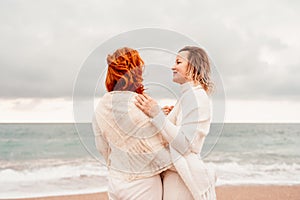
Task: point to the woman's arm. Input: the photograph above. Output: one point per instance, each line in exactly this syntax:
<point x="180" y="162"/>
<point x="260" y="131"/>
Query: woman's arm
<point x="101" y="144"/>
<point x="182" y="136"/>
<point x="195" y="115"/>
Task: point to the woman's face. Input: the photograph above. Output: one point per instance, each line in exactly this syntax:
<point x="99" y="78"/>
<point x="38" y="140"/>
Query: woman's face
<point x="180" y="68"/>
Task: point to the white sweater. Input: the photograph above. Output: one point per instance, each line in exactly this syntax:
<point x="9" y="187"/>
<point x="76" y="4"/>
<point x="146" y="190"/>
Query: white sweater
<point x="131" y="146"/>
<point x="185" y="128"/>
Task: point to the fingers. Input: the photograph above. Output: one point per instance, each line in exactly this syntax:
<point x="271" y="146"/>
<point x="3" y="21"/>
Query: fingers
<point x="139" y="105"/>
<point x="167" y="109"/>
<point x="139" y="99"/>
<point x="143" y="99"/>
<point x="148" y="105"/>
<point x="146" y="96"/>
<point x="141" y="102"/>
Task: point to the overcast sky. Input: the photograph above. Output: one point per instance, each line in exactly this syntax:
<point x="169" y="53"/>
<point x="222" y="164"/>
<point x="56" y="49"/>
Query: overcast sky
<point x="255" y="45"/>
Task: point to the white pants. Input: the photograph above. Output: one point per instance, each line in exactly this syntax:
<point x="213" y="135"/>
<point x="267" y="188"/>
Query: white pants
<point x="174" y="188"/>
<point x="142" y="189"/>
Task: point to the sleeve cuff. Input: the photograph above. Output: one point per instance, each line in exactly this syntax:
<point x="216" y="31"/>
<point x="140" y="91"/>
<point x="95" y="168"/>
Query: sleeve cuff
<point x="164" y="126"/>
<point x="159" y="120"/>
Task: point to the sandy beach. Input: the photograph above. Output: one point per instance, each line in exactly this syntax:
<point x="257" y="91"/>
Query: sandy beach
<point x="253" y="192"/>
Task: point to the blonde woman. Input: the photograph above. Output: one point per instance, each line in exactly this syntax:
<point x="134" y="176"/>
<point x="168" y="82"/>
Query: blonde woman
<point x="186" y="127"/>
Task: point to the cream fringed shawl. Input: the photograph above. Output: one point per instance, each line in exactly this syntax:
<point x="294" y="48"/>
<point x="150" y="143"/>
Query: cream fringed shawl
<point x="130" y="145"/>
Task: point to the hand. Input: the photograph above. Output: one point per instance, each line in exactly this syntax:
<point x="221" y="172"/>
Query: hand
<point x="148" y="105"/>
<point x="167" y="109"/>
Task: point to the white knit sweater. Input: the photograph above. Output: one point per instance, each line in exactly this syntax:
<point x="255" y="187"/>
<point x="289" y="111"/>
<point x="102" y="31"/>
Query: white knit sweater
<point x="134" y="146"/>
<point x="185" y="128"/>
<point x="131" y="146"/>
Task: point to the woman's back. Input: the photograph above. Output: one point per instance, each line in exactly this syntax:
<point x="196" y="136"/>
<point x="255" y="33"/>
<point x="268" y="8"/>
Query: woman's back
<point x="137" y="149"/>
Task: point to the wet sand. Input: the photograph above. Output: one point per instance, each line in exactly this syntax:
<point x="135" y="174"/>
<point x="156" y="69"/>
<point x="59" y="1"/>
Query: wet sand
<point x="247" y="192"/>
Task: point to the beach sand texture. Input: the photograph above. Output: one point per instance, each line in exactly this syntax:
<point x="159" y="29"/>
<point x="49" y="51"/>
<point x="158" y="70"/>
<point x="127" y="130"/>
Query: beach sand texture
<point x="253" y="192"/>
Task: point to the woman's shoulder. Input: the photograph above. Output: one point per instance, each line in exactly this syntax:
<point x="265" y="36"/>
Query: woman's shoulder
<point x="195" y="96"/>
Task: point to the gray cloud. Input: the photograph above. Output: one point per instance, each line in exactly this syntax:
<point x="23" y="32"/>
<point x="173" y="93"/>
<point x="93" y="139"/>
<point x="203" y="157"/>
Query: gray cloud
<point x="44" y="43"/>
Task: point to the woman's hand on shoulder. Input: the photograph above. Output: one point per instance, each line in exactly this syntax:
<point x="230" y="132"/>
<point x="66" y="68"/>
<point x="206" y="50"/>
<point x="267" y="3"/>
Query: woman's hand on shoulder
<point x="147" y="104"/>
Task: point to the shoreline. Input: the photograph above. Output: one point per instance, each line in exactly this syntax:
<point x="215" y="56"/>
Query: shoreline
<point x="224" y="192"/>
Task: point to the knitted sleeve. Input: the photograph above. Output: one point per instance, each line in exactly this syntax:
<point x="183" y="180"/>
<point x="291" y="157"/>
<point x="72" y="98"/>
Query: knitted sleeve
<point x="195" y="115"/>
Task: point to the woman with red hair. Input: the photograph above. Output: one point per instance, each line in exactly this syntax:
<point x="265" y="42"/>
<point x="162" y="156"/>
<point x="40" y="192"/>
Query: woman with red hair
<point x="124" y="73"/>
<point x="134" y="152"/>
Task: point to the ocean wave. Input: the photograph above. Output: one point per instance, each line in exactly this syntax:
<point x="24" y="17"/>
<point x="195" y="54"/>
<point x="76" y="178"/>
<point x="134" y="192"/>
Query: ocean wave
<point x="51" y="177"/>
<point x="233" y="173"/>
<point x="227" y="173"/>
<point x="50" y="170"/>
<point x="57" y="177"/>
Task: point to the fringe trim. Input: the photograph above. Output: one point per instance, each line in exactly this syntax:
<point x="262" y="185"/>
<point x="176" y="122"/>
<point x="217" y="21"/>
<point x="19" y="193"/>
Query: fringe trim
<point x="210" y="194"/>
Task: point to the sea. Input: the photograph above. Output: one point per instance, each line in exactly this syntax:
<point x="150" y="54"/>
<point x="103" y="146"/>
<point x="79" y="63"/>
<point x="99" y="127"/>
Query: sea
<point x="39" y="159"/>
